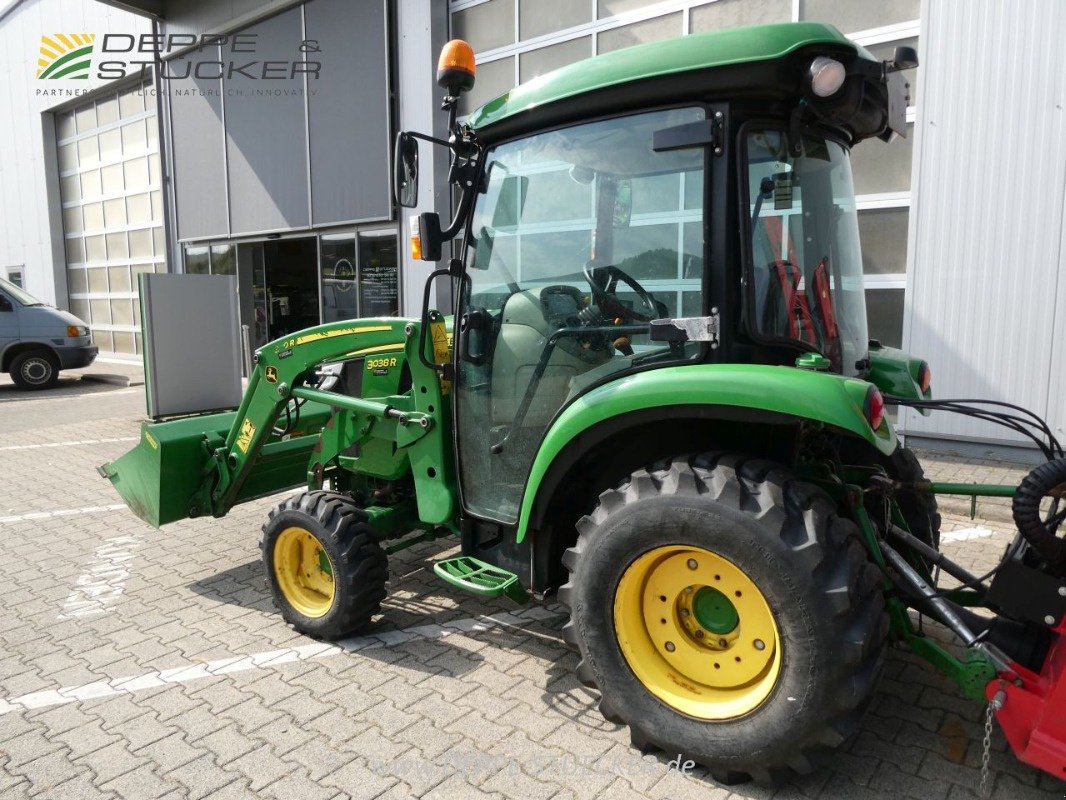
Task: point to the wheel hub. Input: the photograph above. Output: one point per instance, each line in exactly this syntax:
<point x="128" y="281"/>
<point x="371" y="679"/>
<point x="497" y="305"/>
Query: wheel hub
<point x="304" y="572"/>
<point x="35" y="370"/>
<point x="697" y="632"/>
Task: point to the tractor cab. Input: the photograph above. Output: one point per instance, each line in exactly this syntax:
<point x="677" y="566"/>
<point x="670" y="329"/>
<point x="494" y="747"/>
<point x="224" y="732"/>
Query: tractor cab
<point x="677" y="203"/>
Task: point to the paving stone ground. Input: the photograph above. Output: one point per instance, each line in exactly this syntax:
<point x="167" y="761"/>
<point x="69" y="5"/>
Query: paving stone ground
<point x="188" y="685"/>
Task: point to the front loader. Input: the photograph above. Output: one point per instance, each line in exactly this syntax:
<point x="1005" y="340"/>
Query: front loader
<point x="656" y="399"/>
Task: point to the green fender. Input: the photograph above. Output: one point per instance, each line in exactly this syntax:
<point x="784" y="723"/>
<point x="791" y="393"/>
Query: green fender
<point x="818" y="396"/>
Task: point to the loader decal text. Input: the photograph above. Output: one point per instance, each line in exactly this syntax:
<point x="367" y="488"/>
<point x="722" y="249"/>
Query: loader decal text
<point x="244" y="438"/>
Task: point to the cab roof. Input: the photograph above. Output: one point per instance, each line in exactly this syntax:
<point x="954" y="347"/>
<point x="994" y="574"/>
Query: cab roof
<point x="696" y="52"/>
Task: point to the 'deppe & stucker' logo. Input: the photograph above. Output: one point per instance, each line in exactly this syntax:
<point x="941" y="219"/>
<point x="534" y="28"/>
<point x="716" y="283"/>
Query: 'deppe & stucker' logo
<point x="65" y="55"/>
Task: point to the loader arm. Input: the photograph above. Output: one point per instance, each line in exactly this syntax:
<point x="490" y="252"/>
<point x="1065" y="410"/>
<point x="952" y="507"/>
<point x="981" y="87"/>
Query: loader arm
<point x="219" y="462"/>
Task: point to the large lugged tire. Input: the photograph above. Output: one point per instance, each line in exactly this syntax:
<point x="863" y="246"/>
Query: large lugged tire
<point x="726" y="614"/>
<point x="35" y="369"/>
<point x="324" y="566"/>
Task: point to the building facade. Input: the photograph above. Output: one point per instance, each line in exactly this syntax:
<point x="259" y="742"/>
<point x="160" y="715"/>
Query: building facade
<point x="280" y="175"/>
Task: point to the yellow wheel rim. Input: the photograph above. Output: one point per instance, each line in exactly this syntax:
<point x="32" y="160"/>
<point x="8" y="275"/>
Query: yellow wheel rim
<point x="304" y="572"/>
<point x="697" y="632"/>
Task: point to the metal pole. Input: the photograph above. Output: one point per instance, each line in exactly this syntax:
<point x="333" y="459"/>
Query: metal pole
<point x="246" y="341"/>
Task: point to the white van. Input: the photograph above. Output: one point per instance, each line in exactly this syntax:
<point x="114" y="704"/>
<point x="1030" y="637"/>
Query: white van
<point x="38" y="340"/>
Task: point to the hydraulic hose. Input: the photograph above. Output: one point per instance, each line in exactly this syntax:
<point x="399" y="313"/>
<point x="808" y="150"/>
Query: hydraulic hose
<point x="1047" y="480"/>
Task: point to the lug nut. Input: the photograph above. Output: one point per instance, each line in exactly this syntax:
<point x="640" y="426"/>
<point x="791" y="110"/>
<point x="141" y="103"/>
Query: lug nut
<point x="692" y="563"/>
<point x="699" y="634"/>
<point x="670" y="647"/>
<point x="723" y="643"/>
<point x="1062" y="591"/>
<point x="684" y="612"/>
<point x="760" y="644"/>
<point x="1050" y="620"/>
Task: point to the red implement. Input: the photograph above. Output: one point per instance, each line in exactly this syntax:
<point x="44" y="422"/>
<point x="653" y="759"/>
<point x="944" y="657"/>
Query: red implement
<point x="1033" y="715"/>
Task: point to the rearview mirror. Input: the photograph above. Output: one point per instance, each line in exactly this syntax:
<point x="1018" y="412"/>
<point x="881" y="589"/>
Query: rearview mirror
<point x="512" y="200"/>
<point x="405" y="170"/>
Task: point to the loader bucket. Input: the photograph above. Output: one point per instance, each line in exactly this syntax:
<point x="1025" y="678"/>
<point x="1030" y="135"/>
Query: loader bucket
<point x="162" y="477"/>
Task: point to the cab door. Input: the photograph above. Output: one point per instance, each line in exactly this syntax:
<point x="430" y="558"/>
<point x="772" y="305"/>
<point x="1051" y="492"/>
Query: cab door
<point x="582" y="236"/>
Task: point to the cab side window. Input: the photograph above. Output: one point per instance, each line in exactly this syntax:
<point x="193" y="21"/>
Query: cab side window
<point x="5" y="304"/>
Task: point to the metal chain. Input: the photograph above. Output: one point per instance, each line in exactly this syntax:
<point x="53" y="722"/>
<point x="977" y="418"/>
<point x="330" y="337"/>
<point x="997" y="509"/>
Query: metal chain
<point x="986" y="753"/>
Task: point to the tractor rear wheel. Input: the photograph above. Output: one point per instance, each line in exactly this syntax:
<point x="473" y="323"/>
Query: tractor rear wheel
<point x="919" y="509"/>
<point x="727" y="615"/>
<point x="324" y="566"/>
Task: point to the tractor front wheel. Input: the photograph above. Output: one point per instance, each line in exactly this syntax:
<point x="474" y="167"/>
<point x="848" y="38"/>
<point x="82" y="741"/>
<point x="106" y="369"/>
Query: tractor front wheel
<point x="727" y="615"/>
<point x="324" y="566"/>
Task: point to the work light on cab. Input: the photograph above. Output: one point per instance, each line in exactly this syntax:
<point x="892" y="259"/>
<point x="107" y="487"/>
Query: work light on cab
<point x="456" y="67"/>
<point x="827" y="76"/>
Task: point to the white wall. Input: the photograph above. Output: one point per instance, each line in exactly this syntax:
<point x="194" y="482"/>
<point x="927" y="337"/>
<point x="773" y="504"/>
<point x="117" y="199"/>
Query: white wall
<point x="987" y="288"/>
<point x="31" y="230"/>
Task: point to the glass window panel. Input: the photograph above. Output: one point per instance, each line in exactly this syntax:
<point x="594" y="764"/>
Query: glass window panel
<point x="88" y="152"/>
<point x="157" y="206"/>
<point x="94" y="248"/>
<point x="340" y="297"/>
<point x="132" y="102"/>
<point x="124" y="342"/>
<point x="85" y="117"/>
<point x="160" y="242"/>
<point x="111" y="145"/>
<point x="68" y="157"/>
<point x="691" y="304"/>
<point x="75" y="251"/>
<point x="65" y="127"/>
<point x="731" y="13"/>
<point x="107" y="111"/>
<point x="72" y="220"/>
<point x="538" y="62"/>
<point x="493" y="79"/>
<point x="196" y="260"/>
<point x="650" y="30"/>
<point x="884" y="309"/>
<point x="885" y="51"/>
<point x="137" y="339"/>
<point x="115" y="212"/>
<point x="80" y="309"/>
<point x="853" y="17"/>
<point x="693" y="190"/>
<point x="538" y="17"/>
<point x="70" y="188"/>
<point x="122" y="312"/>
<point x="97" y="281"/>
<point x="486" y="25"/>
<point x="879" y="167"/>
<point x="111" y="178"/>
<point x="77" y="281"/>
<point x="610" y="8"/>
<point x="141" y="243"/>
<point x="883" y="233"/>
<point x="119" y="279"/>
<point x="379" y="282"/>
<point x="137" y="320"/>
<point x="153" y="168"/>
<point x="136" y="174"/>
<point x="139" y="209"/>
<point x="134" y="137"/>
<point x="90" y="183"/>
<point x="94" y="216"/>
<point x="102" y="339"/>
<point x="117" y="246"/>
<point x="153" y="133"/>
<point x="223" y="260"/>
<point x="647" y="252"/>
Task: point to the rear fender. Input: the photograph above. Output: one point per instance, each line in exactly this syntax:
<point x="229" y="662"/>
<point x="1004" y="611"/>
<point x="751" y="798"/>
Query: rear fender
<point x="787" y="392"/>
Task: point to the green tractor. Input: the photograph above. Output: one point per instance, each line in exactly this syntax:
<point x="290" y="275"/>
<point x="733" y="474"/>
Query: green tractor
<point x="655" y="398"/>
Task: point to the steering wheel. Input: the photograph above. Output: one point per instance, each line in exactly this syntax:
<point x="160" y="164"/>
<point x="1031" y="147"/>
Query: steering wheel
<point x="604" y="281"/>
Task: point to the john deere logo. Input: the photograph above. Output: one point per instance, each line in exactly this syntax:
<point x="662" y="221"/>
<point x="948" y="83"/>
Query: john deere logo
<point x="65" y="55"/>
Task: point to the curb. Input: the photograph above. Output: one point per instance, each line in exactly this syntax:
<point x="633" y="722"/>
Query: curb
<point x="115" y="380"/>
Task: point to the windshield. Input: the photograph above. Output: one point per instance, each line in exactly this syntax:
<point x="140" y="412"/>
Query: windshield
<point x="806" y="269"/>
<point x="582" y="236"/>
<point x="19" y="296"/>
